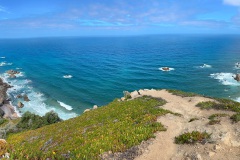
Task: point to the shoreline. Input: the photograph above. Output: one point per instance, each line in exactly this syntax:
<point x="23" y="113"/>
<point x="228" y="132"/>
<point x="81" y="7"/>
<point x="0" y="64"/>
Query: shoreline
<point x="7" y="110"/>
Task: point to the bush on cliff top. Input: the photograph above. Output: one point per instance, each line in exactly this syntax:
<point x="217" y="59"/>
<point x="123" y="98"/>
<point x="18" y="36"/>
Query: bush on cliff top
<point x="32" y="121"/>
<point x="115" y="127"/>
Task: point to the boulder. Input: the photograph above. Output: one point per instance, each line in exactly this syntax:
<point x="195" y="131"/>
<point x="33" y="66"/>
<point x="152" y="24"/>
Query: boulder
<point x="86" y="110"/>
<point x="237" y="77"/>
<point x="25" y="98"/>
<point x="135" y="94"/>
<point x="12" y="76"/>
<point x="12" y="72"/>
<point x="95" y="107"/>
<point x="20" y="105"/>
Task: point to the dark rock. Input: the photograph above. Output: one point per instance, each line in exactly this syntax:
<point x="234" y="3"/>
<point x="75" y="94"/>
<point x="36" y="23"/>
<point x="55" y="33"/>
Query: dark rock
<point x="19" y="96"/>
<point x="25" y="98"/>
<point x="237" y="77"/>
<point x="12" y="72"/>
<point x="165" y="68"/>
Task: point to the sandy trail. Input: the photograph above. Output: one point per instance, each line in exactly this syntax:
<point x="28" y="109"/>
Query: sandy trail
<point x="163" y="146"/>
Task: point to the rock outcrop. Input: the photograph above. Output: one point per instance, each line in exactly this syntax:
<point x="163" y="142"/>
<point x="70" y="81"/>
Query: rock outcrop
<point x="12" y="73"/>
<point x="237" y="77"/>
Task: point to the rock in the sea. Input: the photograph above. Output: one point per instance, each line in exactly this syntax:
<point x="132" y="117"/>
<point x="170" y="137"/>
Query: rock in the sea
<point x="86" y="110"/>
<point x="165" y="68"/>
<point x="12" y="76"/>
<point x="95" y="107"/>
<point x="19" y="96"/>
<point x="1" y="113"/>
<point x="237" y="77"/>
<point x="12" y="72"/>
<point x="20" y="105"/>
<point x="25" y="98"/>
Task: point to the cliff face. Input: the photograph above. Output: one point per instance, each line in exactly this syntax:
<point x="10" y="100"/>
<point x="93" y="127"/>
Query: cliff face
<point x="142" y="127"/>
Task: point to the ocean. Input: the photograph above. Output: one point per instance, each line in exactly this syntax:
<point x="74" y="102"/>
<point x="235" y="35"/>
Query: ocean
<point x="71" y="74"/>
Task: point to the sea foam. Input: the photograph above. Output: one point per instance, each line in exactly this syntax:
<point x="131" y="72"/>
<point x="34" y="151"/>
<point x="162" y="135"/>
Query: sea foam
<point x="5" y="64"/>
<point x="225" y="78"/>
<point x="65" y="106"/>
<point x="205" y="66"/>
<point x="37" y="103"/>
<point x="67" y="76"/>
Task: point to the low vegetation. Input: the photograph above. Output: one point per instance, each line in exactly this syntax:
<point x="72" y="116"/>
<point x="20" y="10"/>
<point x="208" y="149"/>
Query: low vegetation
<point x="33" y="121"/>
<point x="217" y="115"/>
<point x="115" y="127"/>
<point x="3" y="121"/>
<point x="220" y="104"/>
<point x="236" y="117"/>
<point x="182" y="93"/>
<point x="192" y="137"/>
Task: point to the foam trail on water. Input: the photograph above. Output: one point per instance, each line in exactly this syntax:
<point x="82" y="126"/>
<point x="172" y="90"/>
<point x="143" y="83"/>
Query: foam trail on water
<point x="2" y="57"/>
<point x="225" y="78"/>
<point x="65" y="106"/>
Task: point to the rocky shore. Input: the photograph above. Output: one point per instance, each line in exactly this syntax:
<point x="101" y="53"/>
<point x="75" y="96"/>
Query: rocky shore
<point x="6" y="109"/>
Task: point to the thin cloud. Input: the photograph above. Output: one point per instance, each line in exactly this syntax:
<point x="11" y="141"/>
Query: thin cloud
<point x="232" y="2"/>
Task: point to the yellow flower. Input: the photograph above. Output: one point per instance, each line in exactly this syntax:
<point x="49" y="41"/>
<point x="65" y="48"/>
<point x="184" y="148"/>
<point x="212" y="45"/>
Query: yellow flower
<point x="54" y="152"/>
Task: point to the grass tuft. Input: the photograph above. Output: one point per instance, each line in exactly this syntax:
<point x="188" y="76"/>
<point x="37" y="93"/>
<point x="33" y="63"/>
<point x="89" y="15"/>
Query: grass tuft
<point x="182" y="93"/>
<point x="193" y="119"/>
<point x="192" y="137"/>
<point x="236" y="117"/>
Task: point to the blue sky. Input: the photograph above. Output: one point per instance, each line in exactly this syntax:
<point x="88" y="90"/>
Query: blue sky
<point x="46" y="18"/>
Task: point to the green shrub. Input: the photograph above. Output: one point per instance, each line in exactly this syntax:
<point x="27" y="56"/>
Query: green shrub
<point x="33" y="121"/>
<point x="214" y="121"/>
<point x="3" y="121"/>
<point x="51" y="117"/>
<point x="193" y="137"/>
<point x="217" y="115"/>
<point x="236" y="117"/>
<point x="221" y="104"/>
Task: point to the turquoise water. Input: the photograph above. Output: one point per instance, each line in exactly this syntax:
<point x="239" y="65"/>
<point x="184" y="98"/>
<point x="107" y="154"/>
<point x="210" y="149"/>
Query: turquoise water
<point x="102" y="68"/>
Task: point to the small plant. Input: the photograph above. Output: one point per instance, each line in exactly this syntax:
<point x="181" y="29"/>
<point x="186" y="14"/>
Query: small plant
<point x="182" y="93"/>
<point x="217" y="115"/>
<point x="236" y="117"/>
<point x="3" y="121"/>
<point x="127" y="95"/>
<point x="193" y="119"/>
<point x="221" y="104"/>
<point x="192" y="137"/>
<point x="214" y="121"/>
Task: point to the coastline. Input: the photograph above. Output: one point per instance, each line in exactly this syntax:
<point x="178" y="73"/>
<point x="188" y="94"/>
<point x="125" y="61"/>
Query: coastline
<point x="6" y="108"/>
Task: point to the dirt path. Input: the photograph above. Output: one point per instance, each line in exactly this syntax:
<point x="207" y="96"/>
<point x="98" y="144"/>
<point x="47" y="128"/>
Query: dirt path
<point x="225" y="135"/>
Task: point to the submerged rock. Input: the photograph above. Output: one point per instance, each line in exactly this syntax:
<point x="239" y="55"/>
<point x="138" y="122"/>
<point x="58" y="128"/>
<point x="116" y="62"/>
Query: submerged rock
<point x="165" y="68"/>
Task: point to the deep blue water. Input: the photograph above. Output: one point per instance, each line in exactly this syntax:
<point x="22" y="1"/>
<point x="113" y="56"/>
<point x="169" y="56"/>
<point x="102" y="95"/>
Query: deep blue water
<point x="102" y="68"/>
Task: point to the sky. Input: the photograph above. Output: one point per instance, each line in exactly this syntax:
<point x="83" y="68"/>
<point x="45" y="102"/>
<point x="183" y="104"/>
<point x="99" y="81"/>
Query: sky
<point x="50" y="18"/>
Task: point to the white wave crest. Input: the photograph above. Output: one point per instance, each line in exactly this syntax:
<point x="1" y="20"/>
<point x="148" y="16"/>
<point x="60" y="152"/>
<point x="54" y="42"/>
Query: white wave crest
<point x="5" y="64"/>
<point x="205" y="66"/>
<point x="2" y="57"/>
<point x="65" y="105"/>
<point x="166" y="69"/>
<point x="225" y="78"/>
<point x="67" y="76"/>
